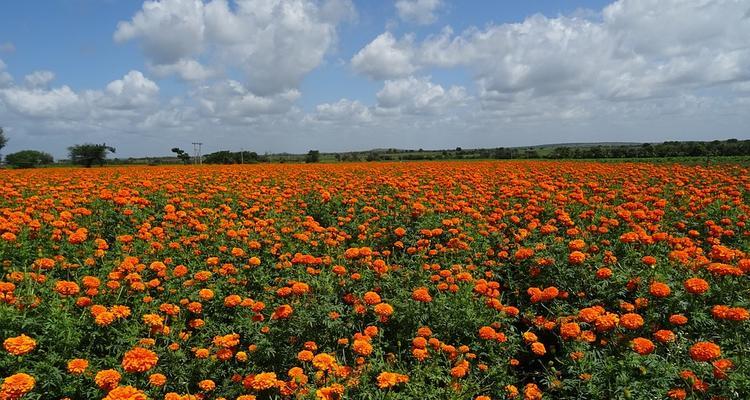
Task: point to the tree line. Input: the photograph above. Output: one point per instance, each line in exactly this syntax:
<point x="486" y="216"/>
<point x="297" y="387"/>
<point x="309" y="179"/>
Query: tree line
<point x="89" y="154"/>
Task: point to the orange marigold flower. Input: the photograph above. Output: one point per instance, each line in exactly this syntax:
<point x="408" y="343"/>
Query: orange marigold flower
<point x="263" y="381"/>
<point x="125" y="393"/>
<point x="570" y="330"/>
<point x="642" y="346"/>
<point x="576" y="257"/>
<point x="665" y="336"/>
<point x="383" y="309"/>
<point x="538" y="348"/>
<point x="19" y="345"/>
<point x="107" y="379"/>
<point x="362" y="347"/>
<point x="696" y="286"/>
<point x="532" y="392"/>
<point x="421" y="294"/>
<point x="77" y="366"/>
<point x="485" y="332"/>
<point x="16" y="386"/>
<point x="139" y="360"/>
<point x="390" y="379"/>
<point x="282" y="312"/>
<point x="678" y="319"/>
<point x="207" y="385"/>
<point x="604" y="273"/>
<point x="705" y="351"/>
<point x="372" y="298"/>
<point x="323" y="362"/>
<point x="157" y="379"/>
<point x="658" y="289"/>
<point x="631" y="321"/>
<point x="67" y="288"/>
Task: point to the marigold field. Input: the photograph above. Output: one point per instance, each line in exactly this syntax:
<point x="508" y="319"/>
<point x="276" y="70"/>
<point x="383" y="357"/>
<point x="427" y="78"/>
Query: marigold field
<point x="447" y="280"/>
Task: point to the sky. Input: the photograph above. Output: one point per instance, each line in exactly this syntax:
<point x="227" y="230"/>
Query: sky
<point x="343" y="75"/>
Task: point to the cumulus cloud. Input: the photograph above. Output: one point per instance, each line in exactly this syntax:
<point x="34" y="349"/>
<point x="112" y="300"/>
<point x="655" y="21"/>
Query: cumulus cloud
<point x="343" y="110"/>
<point x="132" y="92"/>
<point x="634" y="51"/>
<point x="419" y="96"/>
<point x="232" y="102"/>
<point x="422" y="12"/>
<point x="385" y="57"/>
<point x="274" y="43"/>
<point x="167" y="30"/>
<point x="39" y="78"/>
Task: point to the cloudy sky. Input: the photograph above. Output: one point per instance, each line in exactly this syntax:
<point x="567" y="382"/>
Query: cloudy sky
<point x="337" y="75"/>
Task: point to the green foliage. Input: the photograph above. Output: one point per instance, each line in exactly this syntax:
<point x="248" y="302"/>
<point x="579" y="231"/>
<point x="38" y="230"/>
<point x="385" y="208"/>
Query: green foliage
<point x="312" y="156"/>
<point x="229" y="157"/>
<point x="28" y="159"/>
<point x="89" y="154"/>
<point x="182" y="155"/>
<point x="3" y="139"/>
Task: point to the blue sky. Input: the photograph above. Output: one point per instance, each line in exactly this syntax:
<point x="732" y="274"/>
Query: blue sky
<point x="342" y="75"/>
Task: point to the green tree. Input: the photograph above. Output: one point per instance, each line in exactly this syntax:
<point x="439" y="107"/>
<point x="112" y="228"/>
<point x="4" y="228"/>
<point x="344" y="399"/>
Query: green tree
<point x="3" y="139"/>
<point x="182" y="155"/>
<point x="87" y="154"/>
<point x="312" y="156"/>
<point x="28" y="159"/>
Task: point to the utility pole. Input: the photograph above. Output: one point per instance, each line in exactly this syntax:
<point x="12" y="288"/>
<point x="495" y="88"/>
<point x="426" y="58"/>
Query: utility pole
<point x="242" y="155"/>
<point x="197" y="152"/>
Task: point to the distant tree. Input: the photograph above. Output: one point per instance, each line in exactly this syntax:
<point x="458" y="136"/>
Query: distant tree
<point x="28" y="159"/>
<point x="312" y="156"/>
<point x="182" y="155"/>
<point x="3" y="139"/>
<point x="87" y="154"/>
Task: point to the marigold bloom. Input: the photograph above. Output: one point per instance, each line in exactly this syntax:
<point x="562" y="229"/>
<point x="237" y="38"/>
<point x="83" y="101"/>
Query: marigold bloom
<point x="390" y="379"/>
<point x="631" y="321"/>
<point x="532" y="392"/>
<point x="362" y="347"/>
<point x="422" y="295"/>
<point x="263" y="381"/>
<point x="107" y="379"/>
<point x="77" y="366"/>
<point x="659" y="289"/>
<point x="125" y="393"/>
<point x="570" y="330"/>
<point x="157" y="379"/>
<point x="642" y="346"/>
<point x="323" y="362"/>
<point x="705" y="351"/>
<point x="696" y="286"/>
<point x="16" y="386"/>
<point x="19" y="345"/>
<point x="139" y="360"/>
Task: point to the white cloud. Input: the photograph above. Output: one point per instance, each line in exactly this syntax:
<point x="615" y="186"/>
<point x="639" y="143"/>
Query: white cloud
<point x="635" y="51"/>
<point x="186" y="69"/>
<point x="132" y="91"/>
<point x="60" y="102"/>
<point x="168" y="30"/>
<point x="343" y="110"/>
<point x="422" y="12"/>
<point x="39" y="78"/>
<point x="5" y="77"/>
<point x="274" y="43"/>
<point x="120" y="97"/>
<point x="385" y="57"/>
<point x="420" y="96"/>
<point x="232" y="102"/>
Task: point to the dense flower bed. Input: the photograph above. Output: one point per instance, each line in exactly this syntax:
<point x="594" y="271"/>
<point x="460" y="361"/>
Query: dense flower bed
<point x="476" y="280"/>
